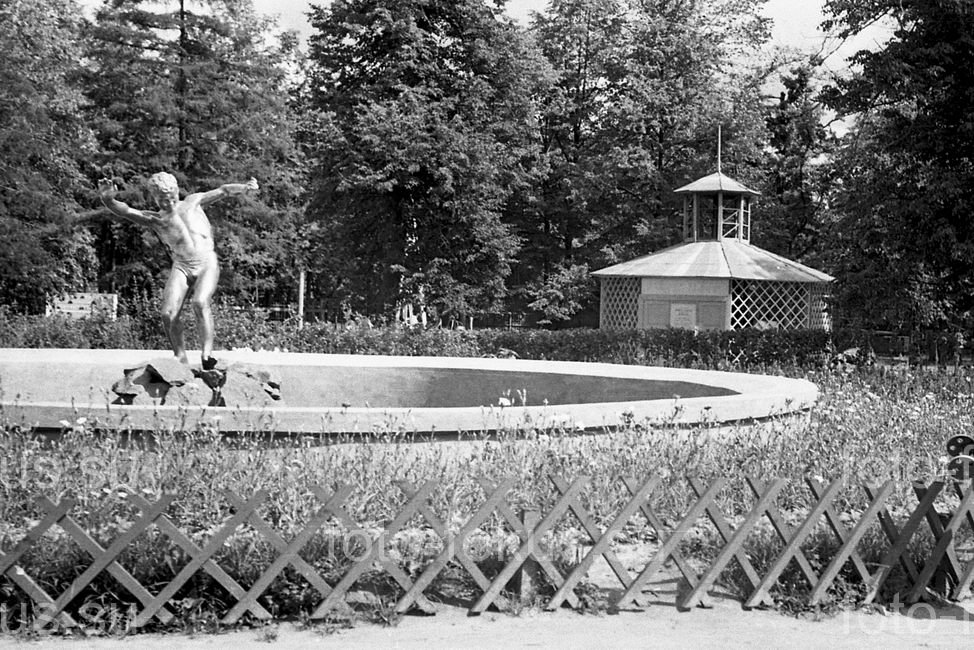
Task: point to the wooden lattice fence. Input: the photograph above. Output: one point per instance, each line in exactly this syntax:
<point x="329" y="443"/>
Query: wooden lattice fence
<point x="530" y="562"/>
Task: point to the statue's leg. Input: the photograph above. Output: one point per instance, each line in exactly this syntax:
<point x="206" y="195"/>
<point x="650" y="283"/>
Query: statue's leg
<point x="202" y="296"/>
<point x="172" y="304"/>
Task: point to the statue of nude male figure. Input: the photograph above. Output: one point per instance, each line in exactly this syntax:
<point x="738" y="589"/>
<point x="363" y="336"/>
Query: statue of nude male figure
<point x="184" y="229"/>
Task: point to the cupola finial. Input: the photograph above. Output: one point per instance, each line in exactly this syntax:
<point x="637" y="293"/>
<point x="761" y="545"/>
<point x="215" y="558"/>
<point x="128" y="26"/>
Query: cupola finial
<point x="718" y="148"/>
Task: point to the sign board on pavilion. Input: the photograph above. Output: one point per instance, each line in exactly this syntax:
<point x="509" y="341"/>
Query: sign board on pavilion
<point x="683" y="315"/>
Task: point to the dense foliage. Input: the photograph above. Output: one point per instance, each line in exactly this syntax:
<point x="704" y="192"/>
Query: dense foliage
<point x="427" y="109"/>
<point x="904" y="186"/>
<point x="437" y="153"/>
<point x="43" y="141"/>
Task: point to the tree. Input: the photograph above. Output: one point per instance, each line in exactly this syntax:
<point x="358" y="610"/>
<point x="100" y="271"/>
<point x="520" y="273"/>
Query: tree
<point x="42" y="139"/>
<point x="686" y="71"/>
<point x="642" y="88"/>
<point x="201" y="91"/>
<point x="581" y="40"/>
<point x="794" y="216"/>
<point x="560" y="294"/>
<point x="905" y="171"/>
<point x="427" y="113"/>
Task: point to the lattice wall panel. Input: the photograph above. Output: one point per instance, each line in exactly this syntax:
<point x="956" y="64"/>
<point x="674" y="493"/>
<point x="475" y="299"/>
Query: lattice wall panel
<point x="818" y="313"/>
<point x="620" y="302"/>
<point x="769" y="304"/>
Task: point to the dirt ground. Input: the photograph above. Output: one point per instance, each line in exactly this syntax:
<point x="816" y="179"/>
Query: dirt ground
<point x="723" y="626"/>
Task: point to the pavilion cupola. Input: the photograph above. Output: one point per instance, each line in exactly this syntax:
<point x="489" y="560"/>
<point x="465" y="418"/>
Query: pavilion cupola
<point x="716" y="207"/>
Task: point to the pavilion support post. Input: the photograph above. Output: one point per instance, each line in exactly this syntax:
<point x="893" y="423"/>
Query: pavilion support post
<point x="740" y="219"/>
<point x="720" y="216"/>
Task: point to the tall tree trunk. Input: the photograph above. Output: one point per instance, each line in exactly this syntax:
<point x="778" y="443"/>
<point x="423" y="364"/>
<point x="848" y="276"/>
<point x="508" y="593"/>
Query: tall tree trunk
<point x="182" y="157"/>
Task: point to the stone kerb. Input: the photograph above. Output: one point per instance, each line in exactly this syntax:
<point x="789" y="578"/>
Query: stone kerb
<point x="43" y="387"/>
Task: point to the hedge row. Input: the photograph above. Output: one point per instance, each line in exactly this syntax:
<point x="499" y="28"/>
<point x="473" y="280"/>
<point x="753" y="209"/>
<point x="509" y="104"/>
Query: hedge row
<point x="252" y="329"/>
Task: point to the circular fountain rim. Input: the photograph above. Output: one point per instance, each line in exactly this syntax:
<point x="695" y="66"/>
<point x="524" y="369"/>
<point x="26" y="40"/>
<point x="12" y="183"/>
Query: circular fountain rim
<point x="758" y="397"/>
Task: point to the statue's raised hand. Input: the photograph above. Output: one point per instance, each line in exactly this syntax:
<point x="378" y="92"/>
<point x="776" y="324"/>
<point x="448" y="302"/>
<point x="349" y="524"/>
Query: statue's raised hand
<point x="252" y="185"/>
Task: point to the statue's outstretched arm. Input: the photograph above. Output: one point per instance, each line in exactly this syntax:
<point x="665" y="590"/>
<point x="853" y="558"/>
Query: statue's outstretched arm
<point x="230" y="189"/>
<point x="107" y="191"/>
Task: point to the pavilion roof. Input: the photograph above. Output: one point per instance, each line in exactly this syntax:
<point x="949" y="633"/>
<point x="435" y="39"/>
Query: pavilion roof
<point x="716" y="182"/>
<point x="729" y="258"/>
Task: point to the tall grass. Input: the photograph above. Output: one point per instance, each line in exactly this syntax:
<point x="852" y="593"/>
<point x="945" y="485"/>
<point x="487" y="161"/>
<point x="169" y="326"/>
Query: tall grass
<point x="867" y="426"/>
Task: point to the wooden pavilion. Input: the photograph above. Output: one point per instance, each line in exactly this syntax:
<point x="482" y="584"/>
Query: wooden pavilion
<point x="715" y="279"/>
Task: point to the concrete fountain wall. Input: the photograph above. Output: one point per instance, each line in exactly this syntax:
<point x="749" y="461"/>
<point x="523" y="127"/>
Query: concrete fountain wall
<point x="350" y="393"/>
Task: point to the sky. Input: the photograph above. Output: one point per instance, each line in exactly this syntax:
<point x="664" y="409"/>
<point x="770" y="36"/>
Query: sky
<point x="796" y="22"/>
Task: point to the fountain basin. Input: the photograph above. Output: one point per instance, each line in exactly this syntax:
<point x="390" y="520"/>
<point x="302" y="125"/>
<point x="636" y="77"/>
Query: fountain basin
<point x="322" y="393"/>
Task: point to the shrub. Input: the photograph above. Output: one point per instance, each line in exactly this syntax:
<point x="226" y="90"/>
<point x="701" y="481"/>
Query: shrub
<point x="251" y="328"/>
<point x="667" y="347"/>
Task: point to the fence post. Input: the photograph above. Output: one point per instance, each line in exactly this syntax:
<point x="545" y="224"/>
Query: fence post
<point x="530" y="570"/>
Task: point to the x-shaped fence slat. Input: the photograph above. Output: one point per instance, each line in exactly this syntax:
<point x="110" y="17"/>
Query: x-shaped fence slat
<point x="943" y="547"/>
<point x="672" y="543"/>
<point x="726" y="533"/>
<point x="288" y="556"/>
<point x="8" y="565"/>
<point x="116" y="570"/>
<point x="681" y="563"/>
<point x="453" y="545"/>
<point x="392" y="567"/>
<point x="840" y="531"/>
<point x="592" y="530"/>
<point x="602" y="540"/>
<point x="784" y="532"/>
<point x="107" y="556"/>
<point x="832" y="518"/>
<point x="505" y="511"/>
<point x="376" y="553"/>
<point x="281" y="545"/>
<point x="963" y="588"/>
<point x="734" y="545"/>
<point x="849" y="540"/>
<point x="51" y="517"/>
<point x="527" y="546"/>
<point x="898" y="547"/>
<point x="892" y="533"/>
<point x="201" y="557"/>
<point x="44" y="602"/>
<point x="937" y="528"/>
<point x="793" y="547"/>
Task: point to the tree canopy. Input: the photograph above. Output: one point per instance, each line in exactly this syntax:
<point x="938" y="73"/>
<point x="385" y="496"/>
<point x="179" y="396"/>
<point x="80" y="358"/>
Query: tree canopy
<point x="427" y="109"/>
<point x="437" y="153"/>
<point x="43" y="144"/>
<point x="904" y="175"/>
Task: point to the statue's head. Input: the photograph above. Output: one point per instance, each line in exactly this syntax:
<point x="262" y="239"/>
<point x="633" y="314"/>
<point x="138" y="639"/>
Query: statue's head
<point x="164" y="189"/>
